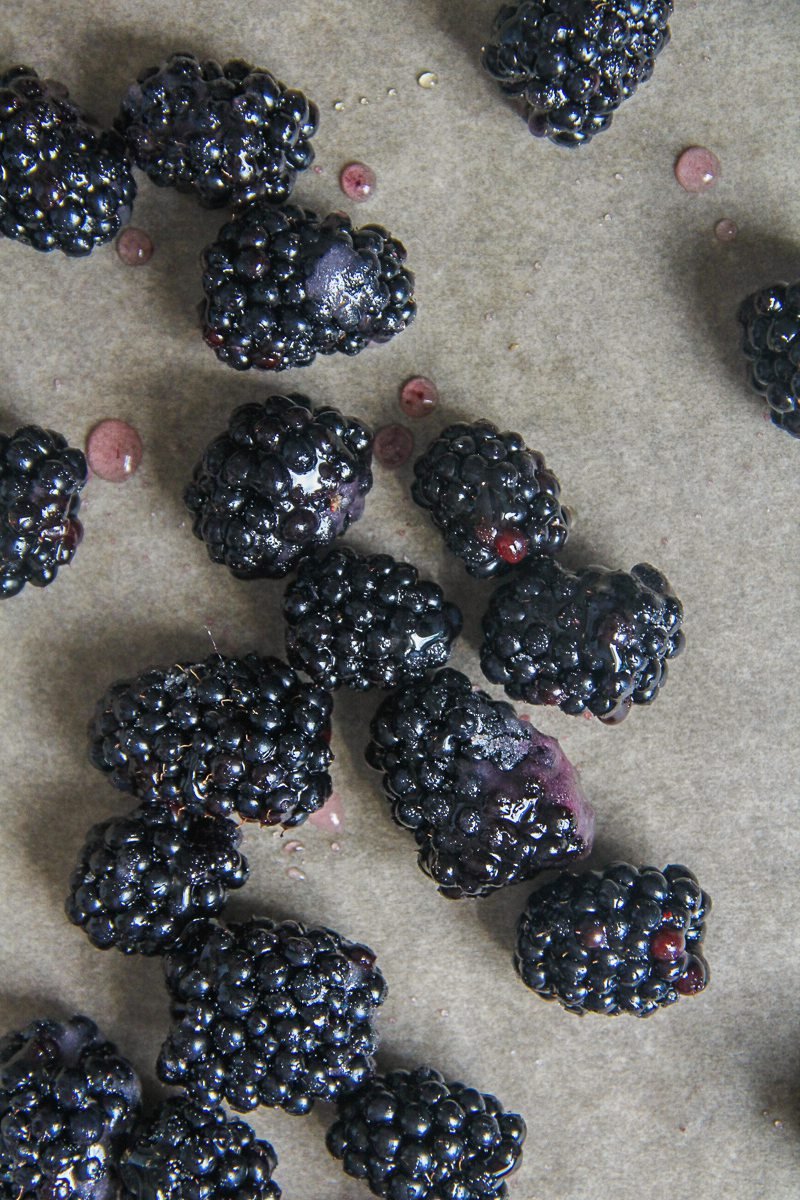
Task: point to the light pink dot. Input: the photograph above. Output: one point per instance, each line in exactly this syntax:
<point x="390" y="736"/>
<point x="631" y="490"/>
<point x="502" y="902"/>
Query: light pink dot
<point x="697" y="169"/>
<point x="357" y="181"/>
<point x="331" y="816"/>
<point x="134" y="247"/>
<point x="419" y="397"/>
<point x="393" y="446"/>
<point x="114" y="450"/>
<point x="726" y="230"/>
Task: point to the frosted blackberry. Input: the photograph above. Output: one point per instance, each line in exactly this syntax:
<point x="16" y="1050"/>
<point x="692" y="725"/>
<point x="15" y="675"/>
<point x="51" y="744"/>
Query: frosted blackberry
<point x="571" y="63"/>
<point x="410" y="1135"/>
<point x="366" y="621"/>
<point x="41" y="479"/>
<point x="64" y="185"/>
<point x="597" y="639"/>
<point x="279" y="485"/>
<point x="226" y="736"/>
<point x="620" y="940"/>
<point x="68" y="1101"/>
<point x="268" y="1013"/>
<point x="230" y="133"/>
<point x="493" y="500"/>
<point x="490" y="800"/>
<point x="283" y="285"/>
<point x="770" y="321"/>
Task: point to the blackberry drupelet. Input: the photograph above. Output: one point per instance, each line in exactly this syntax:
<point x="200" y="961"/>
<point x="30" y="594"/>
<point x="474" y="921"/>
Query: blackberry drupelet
<point x="620" y="940"/>
<point x="68" y="1102"/>
<point x="64" y="185"/>
<point x="365" y="622"/>
<point x="279" y="485"/>
<point x="230" y="133"/>
<point x="597" y="639"/>
<point x="283" y="285"/>
<point x="770" y="321"/>
<point x="41" y="479"/>
<point x="571" y="63"/>
<point x="490" y="800"/>
<point x="268" y="1013"/>
<point x="410" y="1135"/>
<point x="492" y="498"/>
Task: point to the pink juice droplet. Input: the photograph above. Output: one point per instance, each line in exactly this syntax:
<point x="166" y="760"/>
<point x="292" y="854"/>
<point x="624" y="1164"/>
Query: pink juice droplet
<point x="357" y="181"/>
<point x="393" y="446"/>
<point x="134" y="247"/>
<point x="295" y="873"/>
<point x="292" y="847"/>
<point x="114" y="450"/>
<point x="726" y="230"/>
<point x="331" y="816"/>
<point x="418" y="397"/>
<point x="697" y="169"/>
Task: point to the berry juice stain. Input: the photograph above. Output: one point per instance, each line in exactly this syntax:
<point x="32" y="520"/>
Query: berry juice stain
<point x="113" y="450"/>
<point x="357" y="181"/>
<point x="331" y="816"/>
<point x="393" y="446"/>
<point x="134" y="247"/>
<point x="726" y="230"/>
<point x="418" y="397"/>
<point x="697" y="169"/>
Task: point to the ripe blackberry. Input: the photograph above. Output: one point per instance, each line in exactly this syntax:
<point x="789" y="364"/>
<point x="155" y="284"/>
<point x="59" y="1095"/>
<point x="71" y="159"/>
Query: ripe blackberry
<point x="283" y="285"/>
<point x="366" y="622"/>
<point x="280" y="484"/>
<point x="410" y="1135"/>
<point x="615" y="941"/>
<point x="228" y="735"/>
<point x="571" y="63"/>
<point x="770" y="320"/>
<point x="41" y="479"/>
<point x="67" y="1103"/>
<point x="229" y="134"/>
<point x="268" y="1013"/>
<point x="596" y="640"/>
<point x="64" y="185"/>
<point x="490" y="800"/>
<point x="492" y="498"/>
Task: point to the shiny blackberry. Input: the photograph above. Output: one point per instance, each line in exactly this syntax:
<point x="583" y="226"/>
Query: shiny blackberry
<point x="493" y="500"/>
<point x="620" y="940"/>
<point x="283" y="285"/>
<point x="571" y="63"/>
<point x="224" y="736"/>
<point x="279" y="485"/>
<point x="268" y="1013"/>
<point x="597" y="640"/>
<point x="490" y="800"/>
<point x="410" y="1135"/>
<point x="770" y="320"/>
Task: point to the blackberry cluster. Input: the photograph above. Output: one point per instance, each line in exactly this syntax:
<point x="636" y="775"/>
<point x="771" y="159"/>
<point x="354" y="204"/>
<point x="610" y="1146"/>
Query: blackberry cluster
<point x="492" y="498"/>
<point x="279" y="485"/>
<point x="770" y="321"/>
<point x="490" y="800"/>
<point x="615" y="941"/>
<point x="410" y="1135"/>
<point x="268" y="1013"/>
<point x="41" y="479"/>
<point x="228" y="735"/>
<point x="596" y="640"/>
<point x="64" y="185"/>
<point x="230" y="134"/>
<point x="366" y="622"/>
<point x="571" y="63"/>
<point x="283" y="285"/>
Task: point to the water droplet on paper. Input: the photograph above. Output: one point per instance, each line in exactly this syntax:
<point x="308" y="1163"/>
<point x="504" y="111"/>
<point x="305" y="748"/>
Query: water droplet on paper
<point x="292" y="847"/>
<point x="537" y="266"/>
<point x="726" y="230"/>
<point x="338" y="106"/>
<point x="391" y="91"/>
<point x="295" y="873"/>
<point x="697" y="169"/>
<point x="114" y="450"/>
<point x="427" y="79"/>
<point x="443" y="1013"/>
<point x="419" y="397"/>
<point x="363" y="100"/>
<point x="357" y="181"/>
<point x="618" y="176"/>
<point x="134" y="247"/>
<point x="331" y="816"/>
<point x="393" y="446"/>
<point x="336" y="848"/>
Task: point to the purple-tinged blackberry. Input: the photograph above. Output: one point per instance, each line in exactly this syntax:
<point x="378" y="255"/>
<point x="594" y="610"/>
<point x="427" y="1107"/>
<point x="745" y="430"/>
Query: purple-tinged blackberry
<point x="363" y="622"/>
<point x="68" y="1102"/>
<point x="490" y="800"/>
<point x="770" y="321"/>
<point x="283" y="285"/>
<point x="597" y="639"/>
<point x="571" y="63"/>
<point x="620" y="940"/>
<point x="493" y="499"/>
<point x="410" y="1135"/>
<point x="279" y="485"/>
<point x="224" y="736"/>
<point x="64" y="185"/>
<point x="268" y="1013"/>
<point x="230" y="134"/>
<point x="41" y="479"/>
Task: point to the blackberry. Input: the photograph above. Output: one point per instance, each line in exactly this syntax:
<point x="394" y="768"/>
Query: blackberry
<point x="615" y="941"/>
<point x="490" y="800"/>
<point x="64" y="185"/>
<point x="228" y="735"/>
<point x="280" y="484"/>
<point x="410" y="1135"/>
<point x="492" y="498"/>
<point x="268" y="1013"/>
<point x="366" y="622"/>
<point x="770" y="321"/>
<point x="283" y="285"/>
<point x="597" y="639"/>
<point x="571" y="63"/>
<point x="67" y="1103"/>
<point x="41" y="478"/>
<point x="230" y="134"/>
